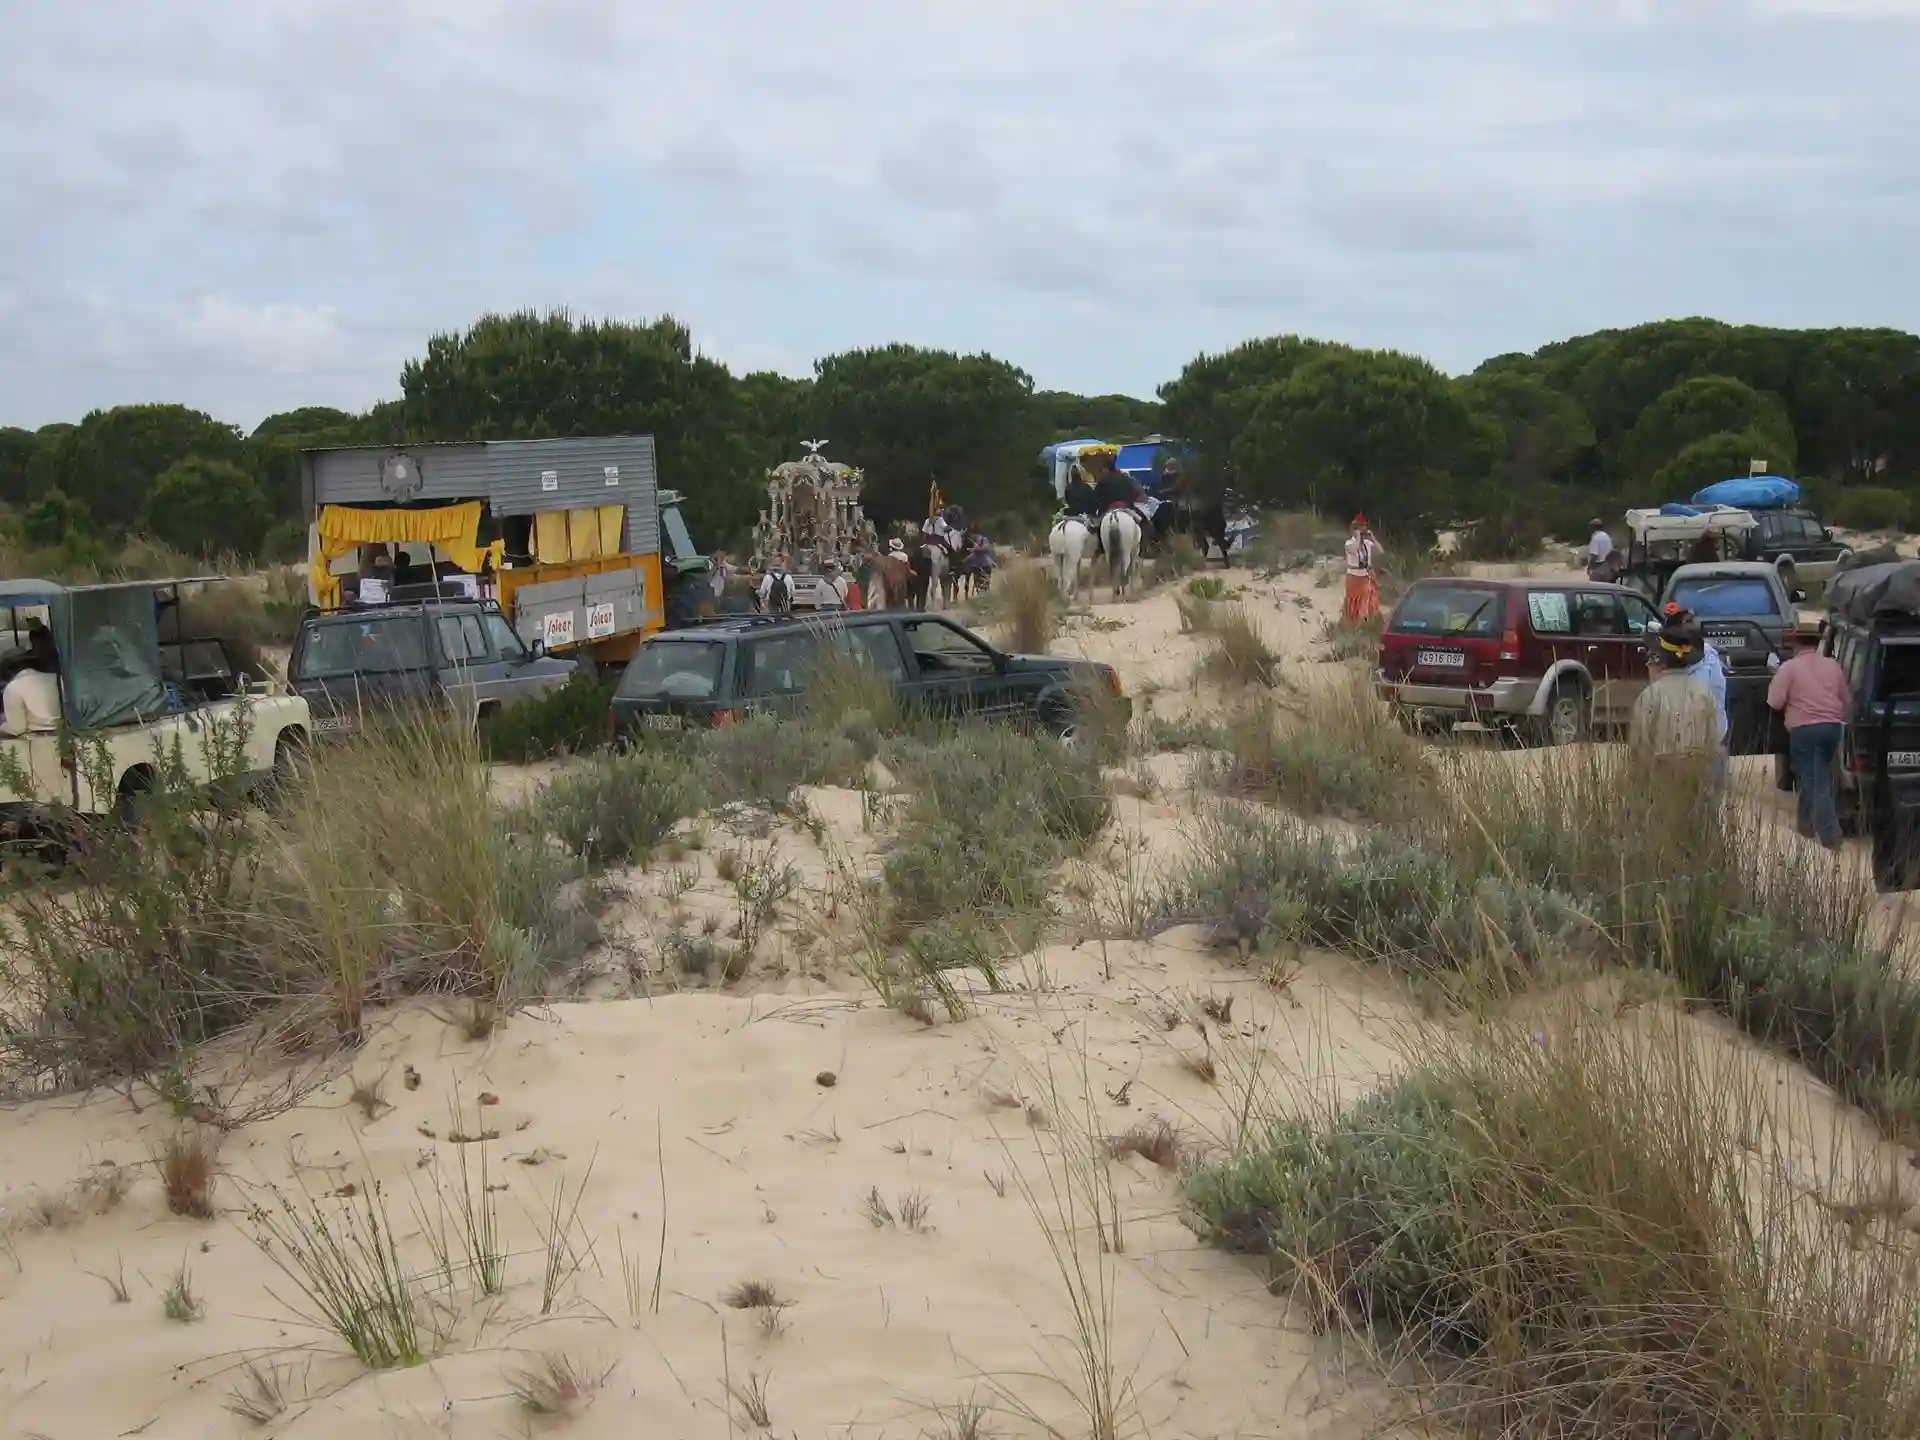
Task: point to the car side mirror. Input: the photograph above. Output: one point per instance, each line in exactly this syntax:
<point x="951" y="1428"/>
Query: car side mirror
<point x="1000" y="663"/>
<point x="537" y="649"/>
<point x="1799" y="597"/>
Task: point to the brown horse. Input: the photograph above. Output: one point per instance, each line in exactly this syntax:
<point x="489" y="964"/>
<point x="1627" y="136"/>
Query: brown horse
<point x="896" y="581"/>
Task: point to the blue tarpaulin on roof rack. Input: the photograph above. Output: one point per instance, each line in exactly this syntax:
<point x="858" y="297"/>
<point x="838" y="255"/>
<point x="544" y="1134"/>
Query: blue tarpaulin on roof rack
<point x="1750" y="492"/>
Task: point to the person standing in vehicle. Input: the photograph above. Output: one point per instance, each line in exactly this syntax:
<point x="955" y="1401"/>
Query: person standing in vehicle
<point x="1600" y="551"/>
<point x="1811" y="692"/>
<point x="1363" y="585"/>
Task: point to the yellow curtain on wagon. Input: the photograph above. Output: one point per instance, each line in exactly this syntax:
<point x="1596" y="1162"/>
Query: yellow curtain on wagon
<point x="589" y="534"/>
<point x="451" y="529"/>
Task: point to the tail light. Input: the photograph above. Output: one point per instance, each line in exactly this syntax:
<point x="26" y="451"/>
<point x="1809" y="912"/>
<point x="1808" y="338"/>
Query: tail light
<point x="720" y="719"/>
<point x="1860" y="762"/>
<point x="1509" y="644"/>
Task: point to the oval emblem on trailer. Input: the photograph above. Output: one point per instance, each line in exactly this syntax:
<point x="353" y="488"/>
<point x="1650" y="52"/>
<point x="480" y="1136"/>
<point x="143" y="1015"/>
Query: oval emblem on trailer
<point x="400" y="477"/>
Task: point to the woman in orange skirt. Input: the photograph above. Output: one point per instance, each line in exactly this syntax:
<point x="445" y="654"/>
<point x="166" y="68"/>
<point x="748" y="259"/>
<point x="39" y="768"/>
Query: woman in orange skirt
<point x="1363" y="585"/>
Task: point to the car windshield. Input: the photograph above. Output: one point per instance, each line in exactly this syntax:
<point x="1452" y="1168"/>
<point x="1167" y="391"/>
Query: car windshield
<point x="1465" y="610"/>
<point x="334" y="648"/>
<point x="678" y="669"/>
<point x="1714" y="597"/>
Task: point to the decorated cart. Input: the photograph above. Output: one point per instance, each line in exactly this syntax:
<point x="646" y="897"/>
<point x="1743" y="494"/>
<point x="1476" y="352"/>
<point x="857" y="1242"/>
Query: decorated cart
<point x="813" y="515"/>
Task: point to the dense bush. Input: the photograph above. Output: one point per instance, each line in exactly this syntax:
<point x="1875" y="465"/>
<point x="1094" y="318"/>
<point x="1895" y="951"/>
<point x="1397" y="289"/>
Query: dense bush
<point x="1566" y="1228"/>
<point x="616" y="809"/>
<point x="570" y="720"/>
<point x="1871" y="507"/>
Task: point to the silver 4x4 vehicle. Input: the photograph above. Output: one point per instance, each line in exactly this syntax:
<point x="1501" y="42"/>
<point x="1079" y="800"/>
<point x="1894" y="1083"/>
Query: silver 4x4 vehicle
<point x="1745" y="609"/>
<point x="458" y="656"/>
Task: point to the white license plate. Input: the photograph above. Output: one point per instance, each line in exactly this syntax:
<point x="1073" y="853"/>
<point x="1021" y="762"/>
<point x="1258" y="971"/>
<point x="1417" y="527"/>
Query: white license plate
<point x="1441" y="659"/>
<point x="1903" y="759"/>
<point x="1728" y="642"/>
<point x="660" y="722"/>
<point x="333" y="722"/>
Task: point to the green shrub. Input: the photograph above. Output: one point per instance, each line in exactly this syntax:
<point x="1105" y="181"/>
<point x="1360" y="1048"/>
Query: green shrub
<point x="617" y="808"/>
<point x="569" y="720"/>
<point x="1336" y="751"/>
<point x="1567" y="1229"/>
<point x="763" y="760"/>
<point x="1871" y="507"/>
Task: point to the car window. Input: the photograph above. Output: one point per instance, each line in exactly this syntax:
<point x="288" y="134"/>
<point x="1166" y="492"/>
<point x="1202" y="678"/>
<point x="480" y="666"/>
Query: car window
<point x="1852" y="656"/>
<point x="1899" y="677"/>
<point x="676" y="669"/>
<point x="462" y="641"/>
<point x="1550" y="612"/>
<point x="362" y="647"/>
<point x="878" y="648"/>
<point x="1640" y="616"/>
<point x="777" y="664"/>
<point x="1595" y="613"/>
<point x="940" y="648"/>
<point x="506" y="643"/>
<point x="1464" y="610"/>
<point x="1714" y="597"/>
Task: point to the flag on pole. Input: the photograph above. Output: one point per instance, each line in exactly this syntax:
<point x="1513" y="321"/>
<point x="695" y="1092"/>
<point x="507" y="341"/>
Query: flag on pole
<point x="934" y="503"/>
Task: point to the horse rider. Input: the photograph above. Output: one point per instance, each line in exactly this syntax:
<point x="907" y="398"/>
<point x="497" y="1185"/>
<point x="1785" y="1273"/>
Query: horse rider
<point x="1079" y="502"/>
<point x="1115" y="489"/>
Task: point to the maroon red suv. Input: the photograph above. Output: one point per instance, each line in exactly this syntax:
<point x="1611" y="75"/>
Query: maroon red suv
<point x="1552" y="659"/>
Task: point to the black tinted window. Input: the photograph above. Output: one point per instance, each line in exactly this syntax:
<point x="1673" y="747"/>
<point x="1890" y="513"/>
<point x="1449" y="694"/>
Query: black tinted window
<point x="1899" y="677"/>
<point x="1598" y="614"/>
<point x="680" y="670"/>
<point x="777" y="664"/>
<point x="362" y="647"/>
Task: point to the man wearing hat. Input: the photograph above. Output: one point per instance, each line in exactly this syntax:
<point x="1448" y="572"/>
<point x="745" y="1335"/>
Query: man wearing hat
<point x="1712" y="671"/>
<point x="1812" y="693"/>
<point x="1675" y="717"/>
<point x="1600" y="552"/>
<point x="1363" y="585"/>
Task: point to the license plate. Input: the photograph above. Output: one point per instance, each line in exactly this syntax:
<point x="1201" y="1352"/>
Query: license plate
<point x="1728" y="642"/>
<point x="660" y="722"/>
<point x="1441" y="659"/>
<point x="325" y="723"/>
<point x="1903" y="759"/>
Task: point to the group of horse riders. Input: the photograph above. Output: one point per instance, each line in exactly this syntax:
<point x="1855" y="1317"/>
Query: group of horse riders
<point x="900" y="576"/>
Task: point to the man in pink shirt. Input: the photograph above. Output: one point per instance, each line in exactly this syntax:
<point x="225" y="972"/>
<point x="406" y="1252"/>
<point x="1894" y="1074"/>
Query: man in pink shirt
<point x="1811" y="691"/>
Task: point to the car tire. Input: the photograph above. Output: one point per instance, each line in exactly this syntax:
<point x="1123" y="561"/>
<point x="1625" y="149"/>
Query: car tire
<point x="1568" y="718"/>
<point x="130" y="798"/>
<point x="292" y="762"/>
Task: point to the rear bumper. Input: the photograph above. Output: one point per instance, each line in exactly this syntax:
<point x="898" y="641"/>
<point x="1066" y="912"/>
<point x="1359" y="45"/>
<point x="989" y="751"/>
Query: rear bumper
<point x="1504" y="699"/>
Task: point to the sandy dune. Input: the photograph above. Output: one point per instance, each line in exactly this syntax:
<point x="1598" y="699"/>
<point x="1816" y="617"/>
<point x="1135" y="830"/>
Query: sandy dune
<point x="754" y="1125"/>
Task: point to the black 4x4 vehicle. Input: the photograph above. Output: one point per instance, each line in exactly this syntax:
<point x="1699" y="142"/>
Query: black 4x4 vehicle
<point x="1873" y="630"/>
<point x="459" y="655"/>
<point x="717" y="673"/>
<point x="1796" y="544"/>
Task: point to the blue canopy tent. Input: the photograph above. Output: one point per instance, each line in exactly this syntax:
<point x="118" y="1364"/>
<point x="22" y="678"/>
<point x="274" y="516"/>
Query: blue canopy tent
<point x="1750" y="492"/>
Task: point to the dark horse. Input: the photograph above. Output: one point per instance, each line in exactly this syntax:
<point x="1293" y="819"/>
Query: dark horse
<point x="1202" y="517"/>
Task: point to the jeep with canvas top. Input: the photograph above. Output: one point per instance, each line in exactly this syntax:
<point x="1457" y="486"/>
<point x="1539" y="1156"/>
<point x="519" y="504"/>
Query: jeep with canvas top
<point x="109" y="689"/>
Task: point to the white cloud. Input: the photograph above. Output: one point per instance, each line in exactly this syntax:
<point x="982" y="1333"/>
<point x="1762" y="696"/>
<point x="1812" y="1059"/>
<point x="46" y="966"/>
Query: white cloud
<point x="326" y="184"/>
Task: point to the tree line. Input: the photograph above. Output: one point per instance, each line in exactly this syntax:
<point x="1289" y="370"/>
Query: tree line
<point x="1530" y="443"/>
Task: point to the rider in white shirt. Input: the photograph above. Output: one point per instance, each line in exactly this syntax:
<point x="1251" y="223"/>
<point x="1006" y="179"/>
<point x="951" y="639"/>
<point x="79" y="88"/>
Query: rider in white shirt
<point x="1600" y="547"/>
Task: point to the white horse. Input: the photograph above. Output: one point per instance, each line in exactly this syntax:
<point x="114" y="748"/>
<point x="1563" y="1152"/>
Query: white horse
<point x="938" y="566"/>
<point x="1067" y="542"/>
<point x="1120" y="537"/>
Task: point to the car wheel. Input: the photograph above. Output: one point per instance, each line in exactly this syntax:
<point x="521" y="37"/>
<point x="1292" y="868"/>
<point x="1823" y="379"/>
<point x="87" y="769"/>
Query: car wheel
<point x="292" y="762"/>
<point x="1569" y="715"/>
<point x="134" y="797"/>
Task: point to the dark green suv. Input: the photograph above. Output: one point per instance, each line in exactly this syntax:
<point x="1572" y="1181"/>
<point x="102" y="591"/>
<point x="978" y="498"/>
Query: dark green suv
<point x="717" y="673"/>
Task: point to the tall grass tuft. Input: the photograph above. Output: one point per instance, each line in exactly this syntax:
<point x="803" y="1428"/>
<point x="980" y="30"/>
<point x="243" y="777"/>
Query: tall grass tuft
<point x="347" y="1266"/>
<point x="1027" y="607"/>
<point x="1569" y="1228"/>
<point x="1239" y="652"/>
<point x="1334" y="751"/>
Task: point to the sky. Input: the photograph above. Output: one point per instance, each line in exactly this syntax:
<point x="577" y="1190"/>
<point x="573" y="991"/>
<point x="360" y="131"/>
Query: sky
<point x="250" y="205"/>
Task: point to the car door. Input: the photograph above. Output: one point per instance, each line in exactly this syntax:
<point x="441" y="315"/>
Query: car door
<point x="774" y="669"/>
<point x="953" y="672"/>
<point x="1600" y="630"/>
<point x="475" y="676"/>
<point x="1630" y="667"/>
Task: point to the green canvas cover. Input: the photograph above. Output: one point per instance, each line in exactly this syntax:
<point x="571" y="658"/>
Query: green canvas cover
<point x="109" y="643"/>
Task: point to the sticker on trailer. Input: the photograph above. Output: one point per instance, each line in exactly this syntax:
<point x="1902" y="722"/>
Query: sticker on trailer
<point x="599" y="621"/>
<point x="612" y="472"/>
<point x="556" y="628"/>
<point x="549" y="479"/>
